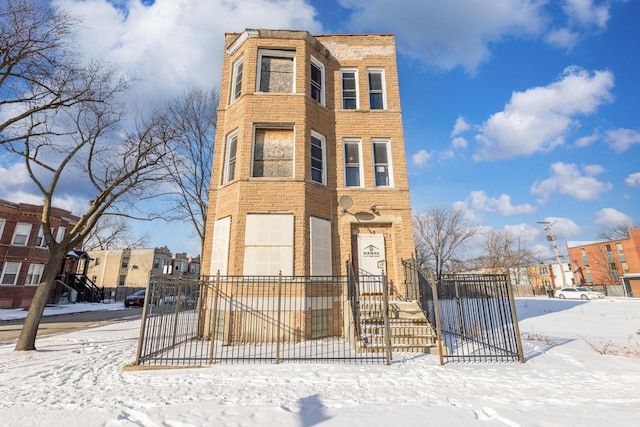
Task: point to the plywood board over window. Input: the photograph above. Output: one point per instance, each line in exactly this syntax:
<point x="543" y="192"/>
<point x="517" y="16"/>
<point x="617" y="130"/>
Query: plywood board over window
<point x="269" y="245"/>
<point x="276" y="73"/>
<point x="273" y="153"/>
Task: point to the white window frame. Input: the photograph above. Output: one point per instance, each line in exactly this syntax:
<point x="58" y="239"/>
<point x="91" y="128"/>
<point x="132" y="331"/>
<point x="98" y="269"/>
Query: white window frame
<point x="256" y="128"/>
<point x="226" y="176"/>
<point x="387" y="144"/>
<point x="383" y="89"/>
<point x="323" y="147"/>
<point x="60" y="234"/>
<point x="236" y="79"/>
<point x="40" y="240"/>
<point x="2" y="223"/>
<point x="321" y="67"/>
<point x="22" y="229"/>
<point x="5" y="271"/>
<point x="358" y="142"/>
<point x="355" y="73"/>
<point x="34" y="275"/>
<point x="272" y="53"/>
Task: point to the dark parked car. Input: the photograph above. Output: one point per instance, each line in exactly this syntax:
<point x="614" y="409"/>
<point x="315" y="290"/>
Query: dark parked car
<point x="137" y="299"/>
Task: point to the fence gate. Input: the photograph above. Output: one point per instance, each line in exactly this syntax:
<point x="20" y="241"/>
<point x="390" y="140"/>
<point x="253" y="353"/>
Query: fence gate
<point x="474" y="314"/>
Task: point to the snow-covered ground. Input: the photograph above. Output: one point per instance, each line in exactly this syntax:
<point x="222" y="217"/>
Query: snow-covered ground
<point x="53" y="310"/>
<point x="77" y="380"/>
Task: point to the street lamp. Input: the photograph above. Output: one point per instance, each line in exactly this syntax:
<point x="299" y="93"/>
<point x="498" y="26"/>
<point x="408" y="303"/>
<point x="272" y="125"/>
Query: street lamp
<point x="552" y="238"/>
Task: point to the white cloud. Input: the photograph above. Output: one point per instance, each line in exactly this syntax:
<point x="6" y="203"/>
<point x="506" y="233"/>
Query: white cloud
<point x="586" y="141"/>
<point x="460" y="126"/>
<point x="620" y="140"/>
<point x="633" y="180"/>
<point x="585" y="13"/>
<point x="538" y="118"/>
<point x="449" y="33"/>
<point x="563" y="38"/>
<point x="480" y="201"/>
<point x="561" y="227"/>
<point x="609" y="217"/>
<point x="459" y="142"/>
<point x="421" y="158"/>
<point x="175" y="45"/>
<point x="568" y="180"/>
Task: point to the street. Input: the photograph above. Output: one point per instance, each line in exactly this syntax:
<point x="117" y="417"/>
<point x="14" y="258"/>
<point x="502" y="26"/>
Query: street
<point x="64" y="323"/>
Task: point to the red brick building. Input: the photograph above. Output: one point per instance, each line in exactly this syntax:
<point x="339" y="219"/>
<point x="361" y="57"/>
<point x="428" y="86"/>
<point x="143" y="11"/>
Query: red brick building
<point x="612" y="262"/>
<point x="23" y="250"/>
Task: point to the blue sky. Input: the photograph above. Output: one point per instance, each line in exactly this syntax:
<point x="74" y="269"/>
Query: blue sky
<point x="517" y="111"/>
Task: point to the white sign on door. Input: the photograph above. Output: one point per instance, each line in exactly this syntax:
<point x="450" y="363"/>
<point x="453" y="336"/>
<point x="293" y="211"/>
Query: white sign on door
<point x="371" y="261"/>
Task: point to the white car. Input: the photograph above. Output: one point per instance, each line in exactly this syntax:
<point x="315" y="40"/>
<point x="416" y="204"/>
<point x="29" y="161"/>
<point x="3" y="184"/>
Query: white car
<point x="578" y="293"/>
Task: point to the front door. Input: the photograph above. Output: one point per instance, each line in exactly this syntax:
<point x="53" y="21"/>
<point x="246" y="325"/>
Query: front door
<point x="371" y="262"/>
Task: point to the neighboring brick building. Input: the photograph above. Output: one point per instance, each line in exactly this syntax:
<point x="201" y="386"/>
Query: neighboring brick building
<point x="611" y="262"/>
<point x="23" y="250"/>
<point x="309" y="168"/>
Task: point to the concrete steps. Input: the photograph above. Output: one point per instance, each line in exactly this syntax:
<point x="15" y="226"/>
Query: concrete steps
<point x="410" y="329"/>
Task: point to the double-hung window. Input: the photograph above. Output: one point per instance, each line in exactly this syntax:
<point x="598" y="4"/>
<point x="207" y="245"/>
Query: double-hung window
<point x="382" y="162"/>
<point x="10" y="273"/>
<point x="377" y="96"/>
<point x="230" y="158"/>
<point x="236" y="79"/>
<point x="2" y="222"/>
<point x="352" y="162"/>
<point x="40" y="240"/>
<point x="276" y="71"/>
<point x="317" y="80"/>
<point x="35" y="274"/>
<point x="60" y="234"/>
<point x="21" y="234"/>
<point x="318" y="170"/>
<point x="349" y="85"/>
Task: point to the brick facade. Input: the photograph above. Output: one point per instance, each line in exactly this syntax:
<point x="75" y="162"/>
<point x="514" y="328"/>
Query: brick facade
<point x="608" y="262"/>
<point x="27" y="254"/>
<point x="302" y="117"/>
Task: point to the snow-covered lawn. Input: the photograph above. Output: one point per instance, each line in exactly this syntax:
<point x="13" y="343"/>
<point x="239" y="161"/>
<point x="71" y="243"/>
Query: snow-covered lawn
<point x="77" y="380"/>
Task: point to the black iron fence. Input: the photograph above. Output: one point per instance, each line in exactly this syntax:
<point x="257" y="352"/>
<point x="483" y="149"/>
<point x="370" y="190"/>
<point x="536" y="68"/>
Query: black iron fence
<point x="253" y="319"/>
<point x="474" y="315"/>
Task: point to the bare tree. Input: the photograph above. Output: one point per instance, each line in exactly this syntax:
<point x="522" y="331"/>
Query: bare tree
<point x="618" y="231"/>
<point x="116" y="170"/>
<point x="440" y="234"/>
<point x="506" y="253"/>
<point x="192" y="118"/>
<point x="39" y="70"/>
<point x="113" y="232"/>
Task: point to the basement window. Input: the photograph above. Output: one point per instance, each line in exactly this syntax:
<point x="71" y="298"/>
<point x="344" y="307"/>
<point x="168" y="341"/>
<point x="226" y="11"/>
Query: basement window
<point x="276" y="71"/>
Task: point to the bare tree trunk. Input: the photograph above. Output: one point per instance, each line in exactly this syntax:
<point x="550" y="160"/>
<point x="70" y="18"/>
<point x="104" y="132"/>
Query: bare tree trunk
<point x="27" y="339"/>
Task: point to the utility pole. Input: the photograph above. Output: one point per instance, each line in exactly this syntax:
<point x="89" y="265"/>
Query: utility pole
<point x="552" y="238"/>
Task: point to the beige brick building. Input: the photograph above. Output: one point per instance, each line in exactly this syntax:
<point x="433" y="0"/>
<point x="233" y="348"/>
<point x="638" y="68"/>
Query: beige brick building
<point x="128" y="267"/>
<point x="309" y="166"/>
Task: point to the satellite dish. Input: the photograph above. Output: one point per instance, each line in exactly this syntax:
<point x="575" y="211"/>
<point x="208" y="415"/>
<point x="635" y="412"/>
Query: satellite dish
<point x="345" y="202"/>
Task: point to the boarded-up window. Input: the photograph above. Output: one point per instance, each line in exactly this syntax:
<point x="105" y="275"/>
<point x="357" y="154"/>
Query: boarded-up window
<point x="268" y="245"/>
<point x="320" y="247"/>
<point x="276" y="71"/>
<point x="273" y="153"/>
<point x="220" y="249"/>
